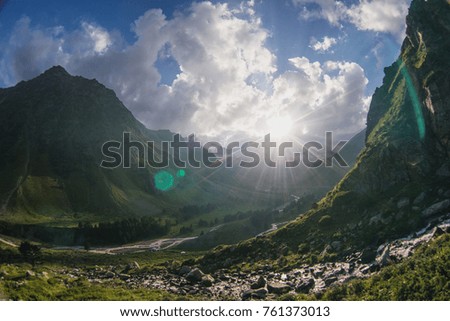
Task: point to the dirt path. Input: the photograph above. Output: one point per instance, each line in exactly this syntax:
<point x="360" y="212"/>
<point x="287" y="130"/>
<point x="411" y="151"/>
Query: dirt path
<point x="7" y="242"/>
<point x="153" y="245"/>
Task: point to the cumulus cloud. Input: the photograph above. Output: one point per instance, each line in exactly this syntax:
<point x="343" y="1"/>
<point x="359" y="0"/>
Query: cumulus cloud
<point x="372" y="15"/>
<point x="324" y="45"/>
<point x="29" y="50"/>
<point x="380" y="15"/>
<point x="323" y="96"/>
<point x="227" y="85"/>
<point x="99" y="36"/>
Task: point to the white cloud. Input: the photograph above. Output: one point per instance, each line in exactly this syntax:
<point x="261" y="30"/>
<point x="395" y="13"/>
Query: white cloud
<point x="99" y="36"/>
<point x="227" y="84"/>
<point x="29" y="50"/>
<point x="324" y="45"/>
<point x="331" y="10"/>
<point x="372" y="15"/>
<point x="323" y="96"/>
<point x="380" y="15"/>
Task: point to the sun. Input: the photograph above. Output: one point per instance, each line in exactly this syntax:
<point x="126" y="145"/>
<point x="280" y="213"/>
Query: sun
<point x="280" y="126"/>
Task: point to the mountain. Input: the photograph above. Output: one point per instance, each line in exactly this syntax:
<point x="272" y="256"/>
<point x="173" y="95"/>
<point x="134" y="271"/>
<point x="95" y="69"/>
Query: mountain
<point x="52" y="129"/>
<point x="51" y="132"/>
<point x="355" y="145"/>
<point x="400" y="182"/>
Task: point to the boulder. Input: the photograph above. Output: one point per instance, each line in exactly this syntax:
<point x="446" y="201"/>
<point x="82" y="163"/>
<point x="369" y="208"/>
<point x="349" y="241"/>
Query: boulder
<point x="260" y="293"/>
<point x="195" y="275"/>
<point x="132" y="266"/>
<point x="260" y="283"/>
<point x="254" y="294"/>
<point x="207" y="280"/>
<point x="29" y="273"/>
<point x="278" y="288"/>
<point x="224" y="277"/>
<point x="330" y="280"/>
<point x="110" y="274"/>
<point x="305" y="285"/>
<point x="184" y="270"/>
<point x="318" y="271"/>
<point x="364" y="269"/>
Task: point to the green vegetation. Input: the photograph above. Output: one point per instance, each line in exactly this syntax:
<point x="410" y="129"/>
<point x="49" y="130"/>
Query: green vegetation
<point x="30" y="252"/>
<point x="50" y="181"/>
<point x="50" y="147"/>
<point x="121" y="232"/>
<point x="243" y="225"/>
<point x="47" y="285"/>
<point x="424" y="276"/>
<point x="50" y="278"/>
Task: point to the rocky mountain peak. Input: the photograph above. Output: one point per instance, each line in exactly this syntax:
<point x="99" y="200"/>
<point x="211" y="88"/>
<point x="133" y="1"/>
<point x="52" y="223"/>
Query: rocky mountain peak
<point x="56" y="71"/>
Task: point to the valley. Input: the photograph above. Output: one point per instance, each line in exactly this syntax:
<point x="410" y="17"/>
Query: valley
<point x="378" y="230"/>
<point x="142" y="272"/>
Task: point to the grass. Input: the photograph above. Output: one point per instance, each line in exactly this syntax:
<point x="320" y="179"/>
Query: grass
<point x="218" y="213"/>
<point x="424" y="276"/>
<point x="50" y="280"/>
<point x="49" y="285"/>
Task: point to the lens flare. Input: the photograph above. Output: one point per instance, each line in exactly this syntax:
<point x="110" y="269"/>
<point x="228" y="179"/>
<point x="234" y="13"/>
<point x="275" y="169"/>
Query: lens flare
<point x="163" y="181"/>
<point x="414" y="99"/>
<point x="181" y="173"/>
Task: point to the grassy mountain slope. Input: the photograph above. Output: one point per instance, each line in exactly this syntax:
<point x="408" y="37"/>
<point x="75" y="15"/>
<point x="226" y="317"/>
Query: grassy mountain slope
<point x="51" y="132"/>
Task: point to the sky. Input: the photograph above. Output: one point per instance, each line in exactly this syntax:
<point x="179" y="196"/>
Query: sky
<point x="220" y="69"/>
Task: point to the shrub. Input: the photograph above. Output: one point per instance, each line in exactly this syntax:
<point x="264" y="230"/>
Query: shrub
<point x="30" y="252"/>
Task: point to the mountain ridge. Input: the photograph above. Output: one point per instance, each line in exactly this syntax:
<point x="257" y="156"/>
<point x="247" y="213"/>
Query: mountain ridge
<point x="52" y="130"/>
<point x="49" y="139"/>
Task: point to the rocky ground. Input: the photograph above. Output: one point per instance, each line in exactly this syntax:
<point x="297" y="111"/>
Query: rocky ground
<point x="263" y="283"/>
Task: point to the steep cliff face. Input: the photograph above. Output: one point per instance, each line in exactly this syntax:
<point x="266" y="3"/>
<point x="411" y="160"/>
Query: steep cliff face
<point x="426" y="48"/>
<point x="401" y="179"/>
<point x="412" y="106"/>
<point x="407" y="125"/>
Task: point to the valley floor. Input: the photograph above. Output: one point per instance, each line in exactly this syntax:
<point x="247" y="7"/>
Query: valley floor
<point x="408" y="269"/>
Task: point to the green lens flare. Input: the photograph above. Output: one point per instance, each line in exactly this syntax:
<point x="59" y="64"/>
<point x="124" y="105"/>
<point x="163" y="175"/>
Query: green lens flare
<point x="181" y="173"/>
<point x="415" y="101"/>
<point x="163" y="181"/>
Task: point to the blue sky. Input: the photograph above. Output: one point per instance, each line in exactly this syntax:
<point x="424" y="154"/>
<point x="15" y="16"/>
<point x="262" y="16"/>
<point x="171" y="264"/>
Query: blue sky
<point x="220" y="68"/>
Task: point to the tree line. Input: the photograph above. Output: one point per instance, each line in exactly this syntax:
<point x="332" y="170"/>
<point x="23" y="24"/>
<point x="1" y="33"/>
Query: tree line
<point x="119" y="232"/>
